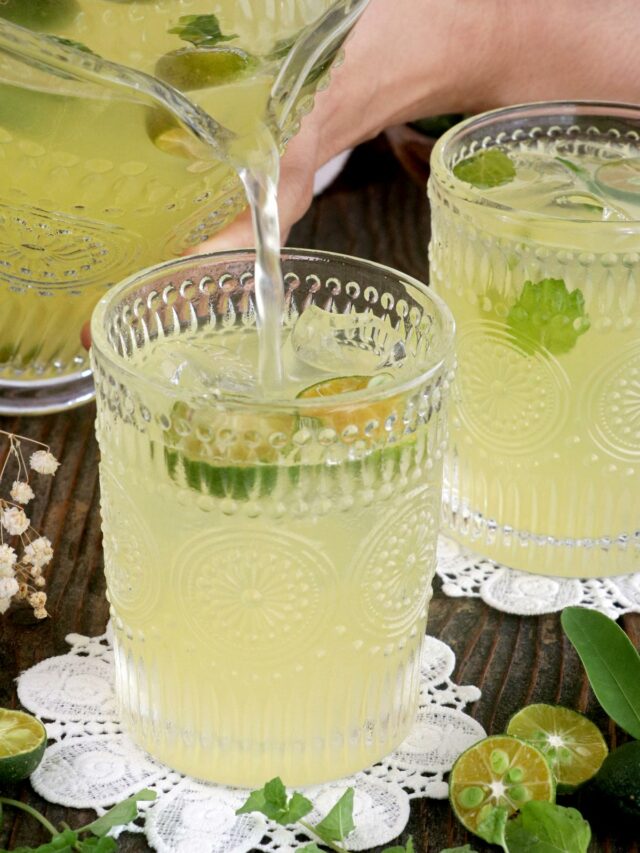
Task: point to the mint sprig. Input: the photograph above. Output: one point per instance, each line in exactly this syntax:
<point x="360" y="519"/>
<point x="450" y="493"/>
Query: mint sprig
<point x="486" y="169"/>
<point x="201" y="30"/>
<point x="272" y="801"/>
<point x="548" y="315"/>
<point x="91" y="838"/>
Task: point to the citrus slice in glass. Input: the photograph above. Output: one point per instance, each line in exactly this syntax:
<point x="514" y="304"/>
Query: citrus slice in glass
<point x="367" y="416"/>
<point x="498" y="771"/>
<point x="22" y="743"/>
<point x="572" y="744"/>
<point x="620" y="177"/>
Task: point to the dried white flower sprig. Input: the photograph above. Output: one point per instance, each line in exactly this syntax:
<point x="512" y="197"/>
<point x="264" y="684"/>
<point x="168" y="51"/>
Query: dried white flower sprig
<point x="23" y="552"/>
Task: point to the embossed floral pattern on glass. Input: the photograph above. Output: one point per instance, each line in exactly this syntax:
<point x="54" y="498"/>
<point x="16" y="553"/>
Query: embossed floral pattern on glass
<point x="269" y="561"/>
<point x="543" y="468"/>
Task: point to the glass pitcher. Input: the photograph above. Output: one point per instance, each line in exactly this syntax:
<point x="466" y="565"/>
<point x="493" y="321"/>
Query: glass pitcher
<point x="119" y="124"/>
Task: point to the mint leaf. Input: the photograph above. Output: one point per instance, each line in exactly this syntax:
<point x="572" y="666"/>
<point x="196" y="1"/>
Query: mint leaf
<point x="408" y="849"/>
<point x="547" y="315"/>
<point x="465" y="849"/>
<point x="573" y="167"/>
<point x="97" y="845"/>
<point x="546" y="828"/>
<point x="339" y="821"/>
<point x="493" y="827"/>
<point x="271" y="800"/>
<point x="281" y="48"/>
<point x="121" y="814"/>
<point x="64" y="842"/>
<point x="486" y="169"/>
<point x="611" y="661"/>
<point x="71" y="43"/>
<point x="311" y="848"/>
<point x="200" y="30"/>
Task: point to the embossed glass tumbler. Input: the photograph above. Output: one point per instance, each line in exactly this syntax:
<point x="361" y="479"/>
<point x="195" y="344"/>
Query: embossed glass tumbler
<point x="269" y="560"/>
<point x="536" y="247"/>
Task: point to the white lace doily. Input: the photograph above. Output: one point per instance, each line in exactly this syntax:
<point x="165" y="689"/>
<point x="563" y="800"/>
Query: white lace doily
<point x="93" y="764"/>
<point x="466" y="574"/>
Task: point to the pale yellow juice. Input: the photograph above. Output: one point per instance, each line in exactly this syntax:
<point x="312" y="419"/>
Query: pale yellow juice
<point x="269" y="564"/>
<point x="97" y="182"/>
<point x="540" y="271"/>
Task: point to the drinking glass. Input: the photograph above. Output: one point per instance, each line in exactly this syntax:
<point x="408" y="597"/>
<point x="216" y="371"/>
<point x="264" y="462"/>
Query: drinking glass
<point x="542" y="275"/>
<point x="268" y="559"/>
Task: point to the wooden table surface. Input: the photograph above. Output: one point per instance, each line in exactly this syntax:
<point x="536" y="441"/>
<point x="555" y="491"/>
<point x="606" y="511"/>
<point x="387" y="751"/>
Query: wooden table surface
<point x="376" y="212"/>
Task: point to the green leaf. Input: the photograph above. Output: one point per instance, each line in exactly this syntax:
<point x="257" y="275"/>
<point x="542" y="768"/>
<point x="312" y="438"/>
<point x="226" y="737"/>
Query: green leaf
<point x="546" y="828"/>
<point x="121" y="814"/>
<point x="271" y="800"/>
<point x="297" y="807"/>
<point x="547" y="315"/>
<point x="200" y="30"/>
<point x="98" y="845"/>
<point x="78" y="45"/>
<point x="281" y="48"/>
<point x="408" y="849"/>
<point x="339" y="821"/>
<point x="486" y="169"/>
<point x="492" y="828"/>
<point x="573" y="167"/>
<point x="466" y="849"/>
<point x="64" y="842"/>
<point x="612" y="664"/>
<point x="311" y="848"/>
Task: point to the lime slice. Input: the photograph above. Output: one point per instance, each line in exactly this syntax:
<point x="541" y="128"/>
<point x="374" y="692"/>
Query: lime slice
<point x="486" y="169"/>
<point x="572" y="744"/>
<point x="498" y="771"/>
<point x="22" y="742"/>
<point x="620" y="178"/>
<point x="339" y="415"/>
<point x="167" y="134"/>
<point x="192" y="68"/>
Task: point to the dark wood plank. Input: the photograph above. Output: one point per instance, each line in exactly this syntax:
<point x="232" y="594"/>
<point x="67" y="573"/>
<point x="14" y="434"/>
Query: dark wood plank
<point x="373" y="210"/>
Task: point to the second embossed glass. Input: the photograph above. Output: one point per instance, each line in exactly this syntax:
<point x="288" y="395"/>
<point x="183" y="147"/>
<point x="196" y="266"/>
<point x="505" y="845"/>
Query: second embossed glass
<point x="536" y="248"/>
<point x="269" y="560"/>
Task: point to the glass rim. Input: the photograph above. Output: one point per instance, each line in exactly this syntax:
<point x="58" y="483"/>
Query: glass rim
<point x="491" y="119"/>
<point x="441" y="355"/>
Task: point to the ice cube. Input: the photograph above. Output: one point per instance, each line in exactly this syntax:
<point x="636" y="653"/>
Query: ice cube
<point x="201" y="367"/>
<point x="346" y="343"/>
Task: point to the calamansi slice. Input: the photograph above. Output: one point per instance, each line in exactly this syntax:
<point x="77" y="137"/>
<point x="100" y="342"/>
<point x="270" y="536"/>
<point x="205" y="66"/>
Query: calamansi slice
<point x="192" y="68"/>
<point x="498" y="771"/>
<point x="366" y="416"/>
<point x="572" y="744"/>
<point x="620" y="177"/>
<point x="22" y="743"/>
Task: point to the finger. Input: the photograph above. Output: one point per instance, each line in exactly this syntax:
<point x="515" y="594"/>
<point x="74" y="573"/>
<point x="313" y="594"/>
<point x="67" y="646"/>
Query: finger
<point x="85" y="336"/>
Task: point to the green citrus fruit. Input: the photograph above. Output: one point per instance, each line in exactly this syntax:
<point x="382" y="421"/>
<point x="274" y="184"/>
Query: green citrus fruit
<point x="617" y="783"/>
<point x="498" y="771"/>
<point x="572" y="744"/>
<point x="23" y="739"/>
